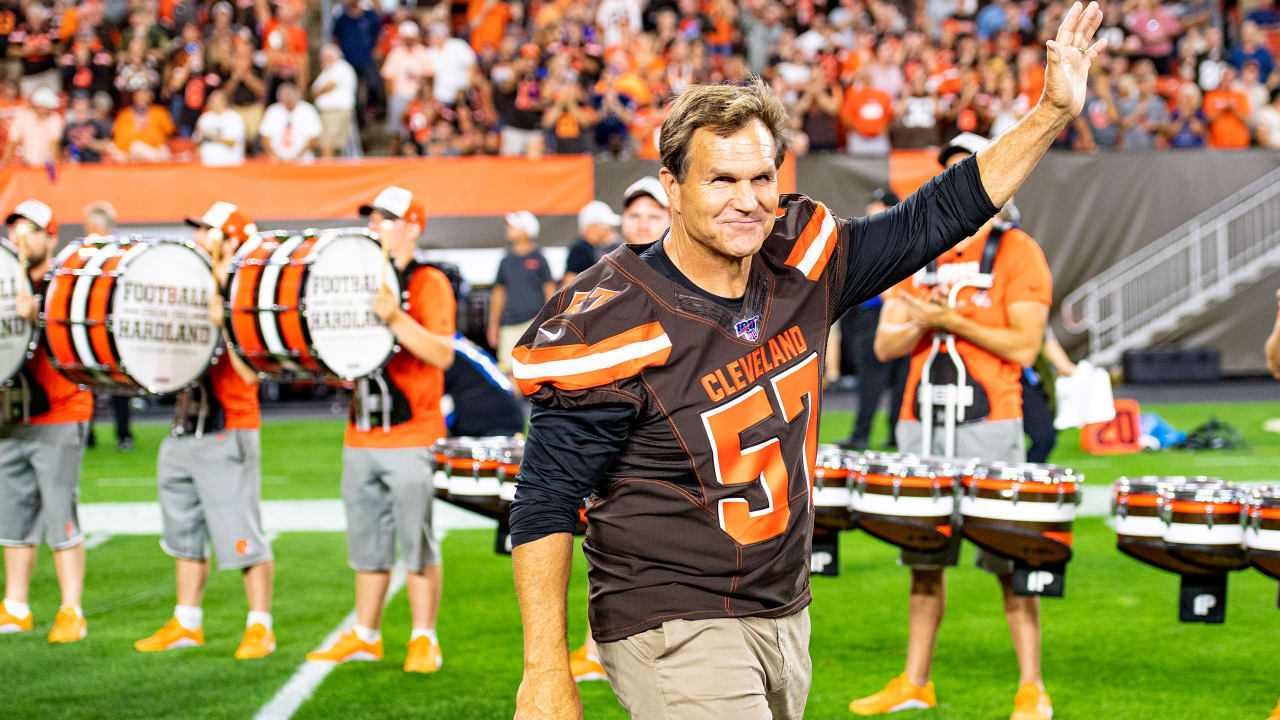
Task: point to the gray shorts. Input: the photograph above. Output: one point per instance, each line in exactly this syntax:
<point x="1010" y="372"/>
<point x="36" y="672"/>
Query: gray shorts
<point x="40" y="484"/>
<point x="386" y="490"/>
<point x="210" y="493"/>
<point x="997" y="440"/>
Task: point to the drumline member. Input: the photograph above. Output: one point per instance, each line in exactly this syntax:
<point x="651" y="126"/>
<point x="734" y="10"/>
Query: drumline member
<point x="395" y="418"/>
<point x="681" y="387"/>
<point x="209" y="473"/>
<point x="998" y="331"/>
<point x="42" y="438"/>
<point x="646" y="216"/>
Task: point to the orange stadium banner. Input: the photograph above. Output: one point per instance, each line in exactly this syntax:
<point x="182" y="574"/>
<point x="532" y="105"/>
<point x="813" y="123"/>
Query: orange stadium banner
<point x="164" y="193"/>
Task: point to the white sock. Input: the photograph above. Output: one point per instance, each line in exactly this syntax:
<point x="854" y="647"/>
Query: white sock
<point x="188" y="616"/>
<point x="258" y="618"/>
<point x="365" y="634"/>
<point x="429" y="632"/>
<point x="79" y="612"/>
<point x="16" y="609"/>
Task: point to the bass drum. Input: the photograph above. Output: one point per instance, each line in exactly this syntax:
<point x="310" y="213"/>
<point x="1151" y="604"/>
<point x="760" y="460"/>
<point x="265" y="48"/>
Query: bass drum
<point x="17" y="336"/>
<point x="302" y="305"/>
<point x="131" y="314"/>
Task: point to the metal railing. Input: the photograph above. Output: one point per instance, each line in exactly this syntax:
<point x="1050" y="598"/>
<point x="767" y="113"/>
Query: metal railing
<point x="1198" y="265"/>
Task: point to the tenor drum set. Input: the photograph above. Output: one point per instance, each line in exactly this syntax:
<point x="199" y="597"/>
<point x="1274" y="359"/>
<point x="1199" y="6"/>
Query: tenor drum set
<point x="1200" y="528"/>
<point x="131" y="315"/>
<point x="1022" y="511"/>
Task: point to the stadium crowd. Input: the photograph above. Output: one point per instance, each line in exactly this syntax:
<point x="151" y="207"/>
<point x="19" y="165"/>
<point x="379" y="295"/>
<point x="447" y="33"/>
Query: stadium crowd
<point x="220" y="80"/>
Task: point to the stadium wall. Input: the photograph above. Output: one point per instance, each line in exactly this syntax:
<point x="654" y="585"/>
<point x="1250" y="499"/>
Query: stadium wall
<point x="1088" y="211"/>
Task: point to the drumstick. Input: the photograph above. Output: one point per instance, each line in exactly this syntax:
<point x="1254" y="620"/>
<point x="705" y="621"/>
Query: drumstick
<point x="384" y="231"/>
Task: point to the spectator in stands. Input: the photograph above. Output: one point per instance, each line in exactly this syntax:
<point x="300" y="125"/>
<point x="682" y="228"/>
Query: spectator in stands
<point x="598" y="232"/>
<point x="142" y="130"/>
<point x="36" y="134"/>
<point x="1250" y="84"/>
<point x="1252" y="47"/>
<point x="487" y="21"/>
<point x="762" y="22"/>
<point x="11" y="103"/>
<point x="1210" y="61"/>
<point x="86" y="68"/>
<point x="334" y="95"/>
<point x="87" y="138"/>
<point x="35" y="41"/>
<point x="1266" y="120"/>
<point x="867" y="112"/>
<point x="569" y="117"/>
<point x="451" y="61"/>
<point x="285" y="43"/>
<point x="1188" y="124"/>
<point x="137" y="71"/>
<point x="355" y="30"/>
<point x="520" y="102"/>
<point x="220" y="133"/>
<point x="1096" y="128"/>
<point x="614" y="114"/>
<point x="184" y="83"/>
<point x="522" y="287"/>
<point x="816" y="114"/>
<point x="1227" y="109"/>
<point x="916" y="115"/>
<point x="142" y="24"/>
<point x="1142" y="112"/>
<point x="402" y="72"/>
<point x="247" y="91"/>
<point x="221" y="38"/>
<point x="290" y="127"/>
<point x="1154" y="28"/>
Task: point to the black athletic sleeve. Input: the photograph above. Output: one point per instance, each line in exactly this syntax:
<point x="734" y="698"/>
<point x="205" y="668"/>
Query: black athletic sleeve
<point x="568" y="451"/>
<point x="890" y="246"/>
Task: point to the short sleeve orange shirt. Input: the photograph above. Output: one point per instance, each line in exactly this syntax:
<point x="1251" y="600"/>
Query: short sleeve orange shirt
<point x="432" y="306"/>
<point x="1021" y="275"/>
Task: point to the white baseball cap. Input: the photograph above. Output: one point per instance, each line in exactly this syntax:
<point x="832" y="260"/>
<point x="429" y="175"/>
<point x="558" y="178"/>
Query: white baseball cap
<point x="647" y="185"/>
<point x="45" y="98"/>
<point x="597" y="211"/>
<point x="966" y="142"/>
<point x="35" y="211"/>
<point x="396" y="202"/>
<point x="526" y="222"/>
<point x="215" y="216"/>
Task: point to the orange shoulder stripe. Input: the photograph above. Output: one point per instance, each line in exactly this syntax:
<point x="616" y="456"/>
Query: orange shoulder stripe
<point x="579" y="366"/>
<point x="816" y="243"/>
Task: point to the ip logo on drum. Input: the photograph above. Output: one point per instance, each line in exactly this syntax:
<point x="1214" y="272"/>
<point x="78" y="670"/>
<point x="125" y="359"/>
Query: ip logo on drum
<point x="1203" y="604"/>
<point x="1039" y="580"/>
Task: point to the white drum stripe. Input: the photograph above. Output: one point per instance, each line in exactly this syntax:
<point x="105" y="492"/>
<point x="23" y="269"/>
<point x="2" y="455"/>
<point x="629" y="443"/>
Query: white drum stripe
<point x="1152" y="527"/>
<point x="873" y="504"/>
<point x="1188" y="534"/>
<point x="1026" y="511"/>
<point x="267" y="288"/>
<point x="78" y="312"/>
<point x="1262" y="539"/>
<point x="590" y="363"/>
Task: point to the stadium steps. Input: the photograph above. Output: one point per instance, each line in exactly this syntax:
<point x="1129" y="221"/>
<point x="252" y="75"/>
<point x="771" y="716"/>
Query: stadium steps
<point x="1189" y="271"/>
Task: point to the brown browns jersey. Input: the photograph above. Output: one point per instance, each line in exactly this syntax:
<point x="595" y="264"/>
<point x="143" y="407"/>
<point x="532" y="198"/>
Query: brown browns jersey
<point x="707" y="510"/>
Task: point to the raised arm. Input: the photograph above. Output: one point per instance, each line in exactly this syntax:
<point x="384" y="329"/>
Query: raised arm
<point x="1006" y="163"/>
<point x="1273" y="347"/>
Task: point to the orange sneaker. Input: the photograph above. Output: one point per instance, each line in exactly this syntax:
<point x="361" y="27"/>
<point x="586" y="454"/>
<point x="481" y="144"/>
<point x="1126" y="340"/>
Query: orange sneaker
<point x="1031" y="703"/>
<point x="12" y="624"/>
<point x="899" y="694"/>
<point x="346" y="648"/>
<point x="258" y="642"/>
<point x="584" y="667"/>
<point x="68" y="626"/>
<point x="1275" y="714"/>
<point x="424" y="656"/>
<point x="171" y="637"/>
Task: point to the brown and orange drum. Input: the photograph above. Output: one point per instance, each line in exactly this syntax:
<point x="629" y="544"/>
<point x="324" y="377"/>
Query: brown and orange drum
<point x="1262" y="529"/>
<point x="1205" y="525"/>
<point x="905" y="500"/>
<point x="1139" y="526"/>
<point x="1024" y="511"/>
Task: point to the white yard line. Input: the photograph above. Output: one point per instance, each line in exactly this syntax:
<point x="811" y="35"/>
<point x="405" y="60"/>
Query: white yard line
<point x="95" y="540"/>
<point x="302" y="685"/>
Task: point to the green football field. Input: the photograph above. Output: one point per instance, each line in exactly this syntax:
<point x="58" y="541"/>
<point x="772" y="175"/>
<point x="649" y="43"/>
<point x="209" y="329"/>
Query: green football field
<point x="1113" y="646"/>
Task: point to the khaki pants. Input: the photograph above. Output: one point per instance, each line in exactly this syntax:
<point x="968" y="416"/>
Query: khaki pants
<point x="508" y="337"/>
<point x="739" y="668"/>
<point x="252" y="116"/>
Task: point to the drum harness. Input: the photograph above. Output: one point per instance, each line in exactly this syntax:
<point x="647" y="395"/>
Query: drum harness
<point x="955" y="397"/>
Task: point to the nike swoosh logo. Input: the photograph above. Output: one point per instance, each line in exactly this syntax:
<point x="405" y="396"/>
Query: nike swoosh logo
<point x="552" y="336"/>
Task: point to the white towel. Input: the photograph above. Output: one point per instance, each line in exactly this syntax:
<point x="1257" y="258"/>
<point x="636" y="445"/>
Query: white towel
<point x="1084" y="397"/>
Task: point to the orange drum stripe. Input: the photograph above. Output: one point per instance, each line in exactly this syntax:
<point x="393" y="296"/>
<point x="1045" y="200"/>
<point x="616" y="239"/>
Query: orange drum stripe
<point x="288" y="294"/>
<point x="832" y="472"/>
<point x="58" y="307"/>
<point x="99" y="297"/>
<point x="1139" y="500"/>
<point x="469" y="464"/>
<point x="1195" y="508"/>
<point x="1032" y="487"/>
<point x="911" y="482"/>
<point x="579" y="366"/>
<point x="1264" y="513"/>
<point x="244" y="321"/>
<point x="944" y="529"/>
<point x="1065" y="538"/>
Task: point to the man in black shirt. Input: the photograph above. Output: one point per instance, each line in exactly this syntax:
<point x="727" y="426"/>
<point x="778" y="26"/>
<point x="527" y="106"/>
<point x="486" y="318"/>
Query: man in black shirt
<point x="523" y="284"/>
<point x="679" y="387"/>
<point x="597" y="237"/>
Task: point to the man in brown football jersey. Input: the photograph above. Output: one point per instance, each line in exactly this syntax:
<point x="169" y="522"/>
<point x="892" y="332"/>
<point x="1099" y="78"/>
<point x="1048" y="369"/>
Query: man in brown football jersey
<point x="677" y="385"/>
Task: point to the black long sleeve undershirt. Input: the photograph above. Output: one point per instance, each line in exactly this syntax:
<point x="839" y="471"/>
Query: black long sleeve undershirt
<point x="569" y="450"/>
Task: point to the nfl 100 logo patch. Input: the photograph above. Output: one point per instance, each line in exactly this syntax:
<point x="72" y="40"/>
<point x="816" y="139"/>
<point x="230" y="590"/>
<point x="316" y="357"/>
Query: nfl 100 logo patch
<point x="748" y="329"/>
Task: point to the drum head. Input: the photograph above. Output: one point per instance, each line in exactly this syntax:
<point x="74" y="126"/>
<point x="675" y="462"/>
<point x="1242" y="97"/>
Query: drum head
<point x="340" y="290"/>
<point x="15" y="332"/>
<point x="160" y="316"/>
